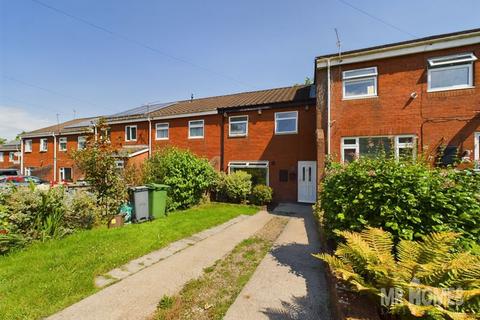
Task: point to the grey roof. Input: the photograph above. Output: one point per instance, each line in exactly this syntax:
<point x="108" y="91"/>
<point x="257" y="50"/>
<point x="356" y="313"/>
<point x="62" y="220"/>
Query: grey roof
<point x="142" y="110"/>
<point x="13" y="145"/>
<point x="84" y="123"/>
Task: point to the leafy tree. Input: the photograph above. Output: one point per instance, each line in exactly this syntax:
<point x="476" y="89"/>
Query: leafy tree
<point x="3" y="140"/>
<point x="97" y="162"/>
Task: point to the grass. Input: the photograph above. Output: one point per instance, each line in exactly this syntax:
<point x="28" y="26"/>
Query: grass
<point x="210" y="296"/>
<point x="47" y="277"/>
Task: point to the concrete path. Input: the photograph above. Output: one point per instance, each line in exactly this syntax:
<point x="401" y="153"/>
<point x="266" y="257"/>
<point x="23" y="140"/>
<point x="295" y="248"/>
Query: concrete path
<point x="137" y="296"/>
<point x="289" y="283"/>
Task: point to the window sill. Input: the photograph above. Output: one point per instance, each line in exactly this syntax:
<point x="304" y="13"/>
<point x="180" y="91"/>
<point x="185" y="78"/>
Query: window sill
<point x="360" y="97"/>
<point x="161" y="139"/>
<point x="195" y="138"/>
<point x="43" y="151"/>
<point x="450" y="89"/>
<point x="237" y="135"/>
<point x="285" y="133"/>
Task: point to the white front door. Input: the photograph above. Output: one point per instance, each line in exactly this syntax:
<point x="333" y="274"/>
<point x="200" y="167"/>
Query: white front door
<point x="307" y="181"/>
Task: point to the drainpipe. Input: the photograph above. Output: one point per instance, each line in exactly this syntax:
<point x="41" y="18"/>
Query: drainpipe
<point x="95" y="131"/>
<point x="222" y="141"/>
<point x="21" y="157"/>
<point x="328" y="107"/>
<point x="54" y="157"/>
<point x="149" y="136"/>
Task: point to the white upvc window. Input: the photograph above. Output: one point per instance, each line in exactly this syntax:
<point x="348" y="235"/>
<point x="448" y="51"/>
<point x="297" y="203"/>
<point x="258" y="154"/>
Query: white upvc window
<point x="65" y="174"/>
<point x="43" y="145"/>
<point x="238" y="126"/>
<point x="401" y="146"/>
<point x="28" y="171"/>
<point x="161" y="131"/>
<point x="360" y="83"/>
<point x="28" y="146"/>
<point x="11" y="156"/>
<point x="286" y="122"/>
<point x="451" y="72"/>
<point x="477" y="148"/>
<point x="1" y="156"/>
<point x="257" y="169"/>
<point x="120" y="164"/>
<point x="131" y="133"/>
<point x="81" y="143"/>
<point x="62" y="144"/>
<point x="196" y="129"/>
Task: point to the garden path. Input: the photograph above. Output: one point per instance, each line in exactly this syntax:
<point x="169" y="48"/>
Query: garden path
<point x="137" y="295"/>
<point x="289" y="283"/>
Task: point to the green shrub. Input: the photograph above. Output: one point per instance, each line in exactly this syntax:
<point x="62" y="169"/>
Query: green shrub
<point x="234" y="187"/>
<point x="10" y="241"/>
<point x="422" y="273"/>
<point x="261" y="195"/>
<point x="408" y="199"/>
<point x="81" y="211"/>
<point x="188" y="176"/>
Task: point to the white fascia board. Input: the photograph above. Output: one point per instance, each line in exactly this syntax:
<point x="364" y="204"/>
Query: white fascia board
<point x="127" y="121"/>
<point x="401" y="50"/>
<point x="49" y="134"/>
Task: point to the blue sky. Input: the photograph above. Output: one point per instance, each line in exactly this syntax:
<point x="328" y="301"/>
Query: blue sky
<point x="51" y="63"/>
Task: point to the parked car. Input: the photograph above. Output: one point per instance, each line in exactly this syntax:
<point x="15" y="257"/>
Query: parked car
<point x="8" y="172"/>
<point x="21" y="180"/>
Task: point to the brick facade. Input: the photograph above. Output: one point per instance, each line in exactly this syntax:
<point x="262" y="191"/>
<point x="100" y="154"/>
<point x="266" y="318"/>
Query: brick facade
<point x="436" y="118"/>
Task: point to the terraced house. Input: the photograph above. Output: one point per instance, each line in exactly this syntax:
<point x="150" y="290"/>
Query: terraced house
<point x="403" y="98"/>
<point x="10" y="155"/>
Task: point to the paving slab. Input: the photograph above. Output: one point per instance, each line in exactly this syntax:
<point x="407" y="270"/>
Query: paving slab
<point x="289" y="283"/>
<point x="137" y="296"/>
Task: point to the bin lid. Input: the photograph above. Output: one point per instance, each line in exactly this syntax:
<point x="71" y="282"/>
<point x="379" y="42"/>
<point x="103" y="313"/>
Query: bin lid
<point x="139" y="188"/>
<point x="157" y="186"/>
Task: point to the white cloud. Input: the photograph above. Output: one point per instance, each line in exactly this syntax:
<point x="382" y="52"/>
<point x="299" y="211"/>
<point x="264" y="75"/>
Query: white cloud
<point x="14" y="120"/>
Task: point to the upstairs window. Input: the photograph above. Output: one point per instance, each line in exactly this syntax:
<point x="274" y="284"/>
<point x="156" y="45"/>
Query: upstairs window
<point x="11" y="157"/>
<point x="195" y="129"/>
<point x="1" y="156"/>
<point x="130" y="133"/>
<point x="82" y="143"/>
<point x="286" y="122"/>
<point x="238" y="126"/>
<point x="28" y="145"/>
<point x="62" y="144"/>
<point x="451" y="72"/>
<point x="360" y="83"/>
<point x="43" y="145"/>
<point x="162" y="131"/>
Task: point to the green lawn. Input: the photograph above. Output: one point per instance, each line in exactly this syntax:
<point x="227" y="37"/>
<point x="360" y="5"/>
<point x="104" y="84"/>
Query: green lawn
<point x="46" y="277"/>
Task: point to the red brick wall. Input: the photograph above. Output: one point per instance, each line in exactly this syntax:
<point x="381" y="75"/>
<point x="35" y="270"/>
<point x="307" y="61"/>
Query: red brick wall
<point x="282" y="151"/>
<point x="208" y="147"/>
<point x="117" y="134"/>
<point x="448" y="116"/>
<point x="6" y="164"/>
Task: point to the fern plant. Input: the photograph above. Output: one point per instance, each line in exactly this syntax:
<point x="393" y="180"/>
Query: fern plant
<point x="424" y="279"/>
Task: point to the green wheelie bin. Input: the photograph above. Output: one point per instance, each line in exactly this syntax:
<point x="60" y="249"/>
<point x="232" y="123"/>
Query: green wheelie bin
<point x="157" y="199"/>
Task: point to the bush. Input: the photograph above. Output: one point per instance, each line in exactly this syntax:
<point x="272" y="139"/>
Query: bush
<point x="81" y="211"/>
<point x="408" y="199"/>
<point x="188" y="176"/>
<point x="261" y="195"/>
<point x="234" y="187"/>
<point x="429" y="269"/>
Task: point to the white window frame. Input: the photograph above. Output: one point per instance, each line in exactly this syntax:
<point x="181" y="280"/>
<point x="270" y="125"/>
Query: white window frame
<point x="11" y="156"/>
<point x="28" y="146"/>
<point x="403" y="145"/>
<point x="250" y="164"/>
<point x="127" y="129"/>
<point x="167" y="128"/>
<point x="230" y="134"/>
<point x="196" y="126"/>
<point x="449" y="63"/>
<point x="477" y="148"/>
<point x="42" y="140"/>
<point x="286" y="132"/>
<point x="1" y="156"/>
<point x="61" y="172"/>
<point x="60" y="141"/>
<point x="349" y="79"/>
<point x="397" y="145"/>
<point x="120" y="164"/>
<point x="84" y="138"/>
<point x="28" y="171"/>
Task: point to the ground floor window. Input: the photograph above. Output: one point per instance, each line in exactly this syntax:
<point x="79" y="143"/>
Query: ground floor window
<point x="65" y="174"/>
<point x="399" y="146"/>
<point x="258" y="170"/>
<point x="477" y="148"/>
<point x="28" y="171"/>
